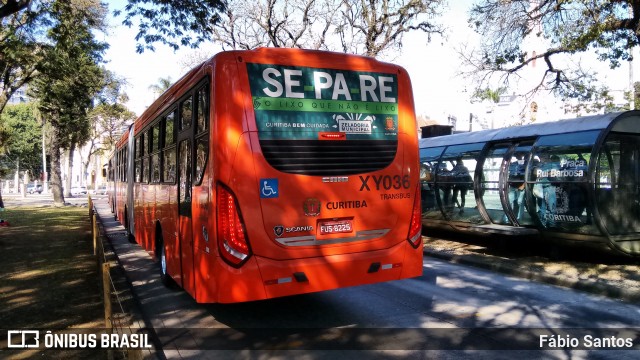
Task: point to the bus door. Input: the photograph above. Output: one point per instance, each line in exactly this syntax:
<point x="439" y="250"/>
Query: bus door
<point x="185" y="233"/>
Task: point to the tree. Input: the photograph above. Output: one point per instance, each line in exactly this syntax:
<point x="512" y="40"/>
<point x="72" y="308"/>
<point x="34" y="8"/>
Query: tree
<point x="69" y="79"/>
<point x="365" y="27"/>
<point x="20" y="49"/>
<point x="370" y="27"/>
<point x="23" y="143"/>
<point x="108" y="118"/>
<point x="161" y="86"/>
<point x="172" y="22"/>
<point x="488" y="94"/>
<point x="20" y="133"/>
<point x="569" y="27"/>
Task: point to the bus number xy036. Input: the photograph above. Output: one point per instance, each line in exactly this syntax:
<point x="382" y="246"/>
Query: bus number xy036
<point x="386" y="182"/>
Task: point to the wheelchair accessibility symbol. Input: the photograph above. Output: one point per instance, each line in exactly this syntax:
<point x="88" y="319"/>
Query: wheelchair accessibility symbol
<point x="268" y="188"/>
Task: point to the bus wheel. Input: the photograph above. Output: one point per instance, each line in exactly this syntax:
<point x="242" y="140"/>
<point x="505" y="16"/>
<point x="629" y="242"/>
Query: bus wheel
<point x="165" y="278"/>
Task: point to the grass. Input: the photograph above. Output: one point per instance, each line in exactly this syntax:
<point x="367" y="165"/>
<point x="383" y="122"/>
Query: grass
<point x="48" y="274"/>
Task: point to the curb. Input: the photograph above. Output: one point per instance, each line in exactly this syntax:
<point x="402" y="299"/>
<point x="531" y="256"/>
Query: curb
<point x="505" y="267"/>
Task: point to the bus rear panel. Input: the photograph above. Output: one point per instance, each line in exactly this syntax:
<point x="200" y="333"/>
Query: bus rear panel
<point x="324" y="174"/>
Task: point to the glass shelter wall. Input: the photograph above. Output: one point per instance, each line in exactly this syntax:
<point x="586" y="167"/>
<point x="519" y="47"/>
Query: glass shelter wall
<point x="490" y="183"/>
<point x="518" y="161"/>
<point x="428" y="165"/>
<point x="575" y="179"/>
<point x="559" y="182"/>
<point x="455" y="182"/>
<point x="618" y="184"/>
<point x="447" y="183"/>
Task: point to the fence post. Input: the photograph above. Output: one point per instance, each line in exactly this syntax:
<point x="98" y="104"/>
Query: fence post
<point x="106" y="286"/>
<point x="94" y="230"/>
<point x="90" y="202"/>
<point x="108" y="312"/>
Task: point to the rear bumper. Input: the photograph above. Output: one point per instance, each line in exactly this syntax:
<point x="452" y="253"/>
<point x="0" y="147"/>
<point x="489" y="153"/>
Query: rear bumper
<point x="270" y="278"/>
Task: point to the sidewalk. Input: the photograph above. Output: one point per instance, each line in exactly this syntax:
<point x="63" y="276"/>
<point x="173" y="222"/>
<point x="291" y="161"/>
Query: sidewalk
<point x="608" y="276"/>
<point x="162" y="308"/>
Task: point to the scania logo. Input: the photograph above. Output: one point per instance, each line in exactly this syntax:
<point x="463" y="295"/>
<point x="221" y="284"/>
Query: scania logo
<point x="335" y="179"/>
<point x="311" y="207"/>
<point x="278" y="230"/>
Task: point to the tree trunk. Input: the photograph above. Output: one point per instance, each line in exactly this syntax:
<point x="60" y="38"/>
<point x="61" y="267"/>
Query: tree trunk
<point x="55" y="182"/>
<point x="16" y="178"/>
<point x="67" y="183"/>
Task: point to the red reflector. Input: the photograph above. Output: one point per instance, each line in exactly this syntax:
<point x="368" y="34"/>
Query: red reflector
<point x="332" y="136"/>
<point x="397" y="265"/>
<point x="271" y="282"/>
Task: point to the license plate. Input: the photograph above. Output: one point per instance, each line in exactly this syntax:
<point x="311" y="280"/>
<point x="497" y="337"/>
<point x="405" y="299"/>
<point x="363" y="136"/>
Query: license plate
<point x="336" y="227"/>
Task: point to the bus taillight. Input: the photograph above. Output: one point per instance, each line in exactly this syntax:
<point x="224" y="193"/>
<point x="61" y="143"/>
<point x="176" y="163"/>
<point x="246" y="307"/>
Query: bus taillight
<point x="232" y="240"/>
<point x="415" y="227"/>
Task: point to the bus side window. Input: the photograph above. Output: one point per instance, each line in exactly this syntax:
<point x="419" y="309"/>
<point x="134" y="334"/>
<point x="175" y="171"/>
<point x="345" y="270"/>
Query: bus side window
<point x="202" y="137"/>
<point x="155" y="149"/>
<point x="203" y="110"/>
<point x="186" y="111"/>
<point x="202" y="150"/>
<point x="169" y="129"/>
<point x="169" y="150"/>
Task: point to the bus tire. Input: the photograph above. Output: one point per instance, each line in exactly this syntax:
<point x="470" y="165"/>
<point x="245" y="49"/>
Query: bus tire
<point x="161" y="250"/>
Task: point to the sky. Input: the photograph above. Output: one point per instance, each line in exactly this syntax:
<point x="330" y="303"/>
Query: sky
<point x="433" y="66"/>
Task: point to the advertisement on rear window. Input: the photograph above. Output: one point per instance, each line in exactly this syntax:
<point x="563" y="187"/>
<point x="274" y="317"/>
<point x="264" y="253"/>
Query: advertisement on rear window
<point x="294" y="102"/>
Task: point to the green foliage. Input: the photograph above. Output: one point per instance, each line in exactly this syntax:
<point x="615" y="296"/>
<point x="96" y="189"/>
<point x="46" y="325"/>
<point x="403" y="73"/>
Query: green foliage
<point x="172" y="22"/>
<point x="71" y="76"/>
<point x="20" y="49"/>
<point x="163" y="85"/>
<point x="632" y="98"/>
<point x="109" y="115"/>
<point x="488" y="94"/>
<point x="23" y="139"/>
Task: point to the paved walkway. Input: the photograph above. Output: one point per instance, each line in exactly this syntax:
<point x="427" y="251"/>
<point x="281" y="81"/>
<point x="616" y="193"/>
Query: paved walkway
<point x="163" y="310"/>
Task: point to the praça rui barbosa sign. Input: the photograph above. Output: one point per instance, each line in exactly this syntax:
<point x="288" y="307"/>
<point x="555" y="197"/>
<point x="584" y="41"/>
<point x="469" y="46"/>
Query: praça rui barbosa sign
<point x="294" y="102"/>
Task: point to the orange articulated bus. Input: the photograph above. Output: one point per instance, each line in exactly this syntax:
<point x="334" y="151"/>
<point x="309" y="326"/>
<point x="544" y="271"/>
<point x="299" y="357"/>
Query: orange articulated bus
<point x="275" y="172"/>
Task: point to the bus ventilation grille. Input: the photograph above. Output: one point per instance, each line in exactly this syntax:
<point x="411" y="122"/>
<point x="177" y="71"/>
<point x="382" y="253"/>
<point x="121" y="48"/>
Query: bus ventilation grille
<point x="325" y="157"/>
